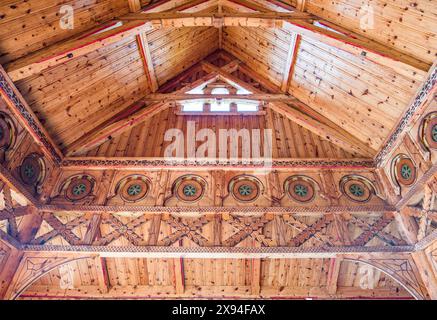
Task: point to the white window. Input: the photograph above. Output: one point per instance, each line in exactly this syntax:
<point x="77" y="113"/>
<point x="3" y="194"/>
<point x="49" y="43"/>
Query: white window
<point x="220" y="106"/>
<point x="192" y="106"/>
<point x="247" y="106"/>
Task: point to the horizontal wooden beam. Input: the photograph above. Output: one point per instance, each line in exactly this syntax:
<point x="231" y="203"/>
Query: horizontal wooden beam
<point x="172" y="252"/>
<point x="166" y="97"/>
<point x="195" y="19"/>
<point x="137" y="163"/>
<point x="210" y="292"/>
<point x="243" y="211"/>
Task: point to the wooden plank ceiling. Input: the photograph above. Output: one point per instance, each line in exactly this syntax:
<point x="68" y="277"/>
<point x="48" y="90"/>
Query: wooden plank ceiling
<point x="363" y="96"/>
<point x="340" y="86"/>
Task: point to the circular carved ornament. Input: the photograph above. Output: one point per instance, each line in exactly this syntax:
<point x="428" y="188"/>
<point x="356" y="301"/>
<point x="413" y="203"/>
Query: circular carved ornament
<point x="404" y="170"/>
<point x="300" y="189"/>
<point x="79" y="188"/>
<point x="429" y="131"/>
<point x="189" y="188"/>
<point x="32" y="170"/>
<point x="356" y="189"/>
<point x="245" y="189"/>
<point x="134" y="189"/>
<point x="7" y="131"/>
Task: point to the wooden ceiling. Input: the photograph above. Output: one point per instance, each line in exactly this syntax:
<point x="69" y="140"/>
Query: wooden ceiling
<point x="345" y="90"/>
<point x="364" y="96"/>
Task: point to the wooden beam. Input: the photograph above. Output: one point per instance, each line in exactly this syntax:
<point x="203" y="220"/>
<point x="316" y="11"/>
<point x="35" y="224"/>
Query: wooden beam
<point x="29" y="225"/>
<point x="255" y="286"/>
<point x="355" y="43"/>
<point x="333" y="273"/>
<point x="301" y="5"/>
<point x="202" y="19"/>
<point x="248" y="5"/>
<point x="194" y="6"/>
<point x="93" y="229"/>
<point x="121" y="122"/>
<point x="184" y="96"/>
<point x="134" y="5"/>
<point x="179" y="276"/>
<point x="209" y="292"/>
<point x="16" y="212"/>
<point x="361" y="46"/>
<point x="172" y="252"/>
<point x="8" y="270"/>
<point x="291" y="61"/>
<point x="102" y="275"/>
<point x="310" y="120"/>
<point x="149" y="69"/>
<point x="407" y="226"/>
<point x="282" y="5"/>
<point x="427" y="272"/>
<point x="74" y="48"/>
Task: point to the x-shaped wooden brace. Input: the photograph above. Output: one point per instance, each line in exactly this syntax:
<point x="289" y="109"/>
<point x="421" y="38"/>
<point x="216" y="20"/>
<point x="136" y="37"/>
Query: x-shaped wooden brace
<point x="375" y="230"/>
<point x="248" y="227"/>
<point x="186" y="228"/>
<point x="308" y="231"/>
<point x="123" y="229"/>
<point x="17" y="212"/>
<point x="63" y="230"/>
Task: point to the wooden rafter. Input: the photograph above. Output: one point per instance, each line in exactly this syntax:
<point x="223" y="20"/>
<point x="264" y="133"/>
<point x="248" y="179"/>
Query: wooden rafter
<point x="143" y="46"/>
<point x="71" y="49"/>
<point x="333" y="273"/>
<point x="301" y="5"/>
<point x="244" y="4"/>
<point x="194" y="6"/>
<point x="134" y="5"/>
<point x="291" y="61"/>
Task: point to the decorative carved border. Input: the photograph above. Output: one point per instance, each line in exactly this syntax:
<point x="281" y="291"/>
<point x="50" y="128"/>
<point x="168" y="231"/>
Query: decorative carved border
<point x="162" y="163"/>
<point x="11" y="95"/>
<point x="406" y="119"/>
<point x="188" y="252"/>
<point x="250" y="210"/>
